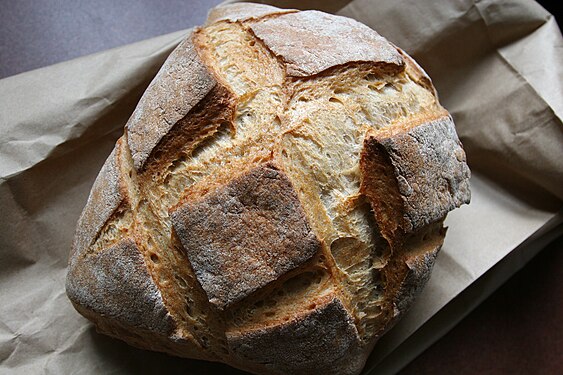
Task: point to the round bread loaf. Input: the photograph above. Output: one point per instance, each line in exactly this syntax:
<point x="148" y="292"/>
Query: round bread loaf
<point x="276" y="200"/>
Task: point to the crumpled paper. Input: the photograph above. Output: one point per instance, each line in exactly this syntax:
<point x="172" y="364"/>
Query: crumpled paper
<point x="497" y="68"/>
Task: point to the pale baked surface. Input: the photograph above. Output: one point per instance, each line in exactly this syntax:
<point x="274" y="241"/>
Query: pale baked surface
<point x="279" y="194"/>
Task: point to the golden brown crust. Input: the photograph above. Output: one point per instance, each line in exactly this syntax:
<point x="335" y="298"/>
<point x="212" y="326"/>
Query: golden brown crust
<point x="245" y="234"/>
<point x="420" y="175"/>
<point x="202" y="122"/>
<point x="182" y="82"/>
<point x="323" y="339"/>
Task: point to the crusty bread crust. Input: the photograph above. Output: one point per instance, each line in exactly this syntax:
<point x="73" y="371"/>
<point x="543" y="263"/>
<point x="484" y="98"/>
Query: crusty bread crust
<point x="423" y="176"/>
<point x="182" y="82"/>
<point x="320" y="41"/>
<point x="115" y="282"/>
<point x="105" y="197"/>
<point x="245" y="235"/>
<point x="323" y="339"/>
<point x="277" y="200"/>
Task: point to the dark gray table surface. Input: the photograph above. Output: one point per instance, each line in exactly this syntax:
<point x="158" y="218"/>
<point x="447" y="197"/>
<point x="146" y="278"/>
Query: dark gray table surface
<point x="517" y="330"/>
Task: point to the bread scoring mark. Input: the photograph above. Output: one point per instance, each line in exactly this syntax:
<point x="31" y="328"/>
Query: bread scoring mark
<point x="212" y="140"/>
<point x="161" y="184"/>
<point x="118" y="225"/>
<point x="407" y="272"/>
<point x="423" y="176"/>
<point x="182" y="82"/>
<point x="281" y="300"/>
<point x="108" y="214"/>
<point x="329" y="116"/>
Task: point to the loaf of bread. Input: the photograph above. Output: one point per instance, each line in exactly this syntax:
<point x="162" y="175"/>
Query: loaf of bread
<point x="277" y="198"/>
